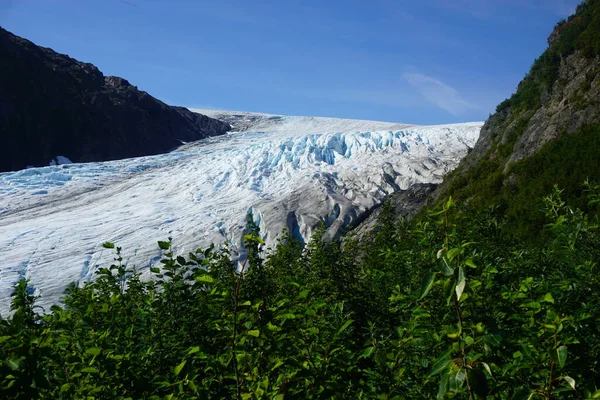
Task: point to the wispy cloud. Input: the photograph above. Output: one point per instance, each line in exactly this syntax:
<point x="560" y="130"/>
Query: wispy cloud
<point x="439" y="93"/>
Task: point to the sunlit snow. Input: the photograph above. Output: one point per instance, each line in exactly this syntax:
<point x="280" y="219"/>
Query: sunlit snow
<point x="290" y="172"/>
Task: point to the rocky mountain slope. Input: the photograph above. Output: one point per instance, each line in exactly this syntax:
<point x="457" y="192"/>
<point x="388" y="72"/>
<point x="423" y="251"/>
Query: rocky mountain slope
<point x="547" y="133"/>
<point x="52" y="105"/>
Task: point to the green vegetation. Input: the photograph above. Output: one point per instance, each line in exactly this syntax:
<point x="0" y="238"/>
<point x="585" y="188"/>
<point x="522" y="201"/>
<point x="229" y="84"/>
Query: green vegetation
<point x="516" y="192"/>
<point x="454" y="304"/>
<point x="443" y="307"/>
<point x="580" y="33"/>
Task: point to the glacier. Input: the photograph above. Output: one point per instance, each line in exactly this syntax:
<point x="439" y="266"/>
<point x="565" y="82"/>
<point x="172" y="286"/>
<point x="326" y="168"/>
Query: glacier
<point x="288" y="172"/>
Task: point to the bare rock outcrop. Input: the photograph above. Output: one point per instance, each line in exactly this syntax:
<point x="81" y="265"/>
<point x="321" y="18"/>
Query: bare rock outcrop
<point x="51" y="105"/>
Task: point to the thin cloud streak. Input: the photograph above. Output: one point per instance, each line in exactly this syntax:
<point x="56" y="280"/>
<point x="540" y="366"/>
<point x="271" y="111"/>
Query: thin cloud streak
<point x="439" y="94"/>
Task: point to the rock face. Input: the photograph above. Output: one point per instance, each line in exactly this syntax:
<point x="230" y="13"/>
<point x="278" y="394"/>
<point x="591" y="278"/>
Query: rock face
<point x="558" y="100"/>
<point x="574" y="102"/>
<point x="51" y="104"/>
<point x="405" y="204"/>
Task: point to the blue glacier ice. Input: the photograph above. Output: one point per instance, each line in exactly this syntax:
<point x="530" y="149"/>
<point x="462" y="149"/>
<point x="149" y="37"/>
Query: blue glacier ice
<point x="290" y="172"/>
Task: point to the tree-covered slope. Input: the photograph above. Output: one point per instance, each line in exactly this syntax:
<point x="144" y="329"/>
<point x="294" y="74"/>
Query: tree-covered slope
<point x="547" y="132"/>
<point x="52" y="105"/>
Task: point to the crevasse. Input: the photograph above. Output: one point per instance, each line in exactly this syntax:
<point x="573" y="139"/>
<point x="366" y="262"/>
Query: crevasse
<point x="291" y="172"/>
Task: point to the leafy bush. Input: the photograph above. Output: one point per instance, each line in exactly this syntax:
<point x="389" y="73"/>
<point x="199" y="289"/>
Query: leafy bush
<point x="444" y="307"/>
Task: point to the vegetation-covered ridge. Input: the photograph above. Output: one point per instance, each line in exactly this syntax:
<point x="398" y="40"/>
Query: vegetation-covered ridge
<point x="514" y="191"/>
<point x="548" y="132"/>
<point x="443" y="307"/>
<point x="579" y="33"/>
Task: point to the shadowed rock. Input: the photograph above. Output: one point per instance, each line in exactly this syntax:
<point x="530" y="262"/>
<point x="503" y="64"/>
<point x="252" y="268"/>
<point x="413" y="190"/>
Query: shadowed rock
<point x="51" y="104"/>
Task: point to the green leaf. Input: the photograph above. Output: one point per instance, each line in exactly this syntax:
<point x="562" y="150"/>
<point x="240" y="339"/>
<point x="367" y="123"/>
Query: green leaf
<point x="278" y="364"/>
<point x="456" y="380"/>
<point x="155" y="270"/>
<point x="439" y="254"/>
<point x="462" y="282"/>
<point x="14" y="364"/>
<point x="254" y="333"/>
<point x="428" y="281"/>
<point x="478" y="382"/>
<point x="487" y="368"/>
<point x="570" y="381"/>
<point x="596" y="395"/>
<point x="344" y="327"/>
<point x="445" y="268"/>
<point x="561" y="354"/>
<point x="193" y="350"/>
<point x="368" y="351"/>
<point x="90" y="370"/>
<point x="94" y="351"/>
<point x="443" y="387"/>
<point x="440" y="365"/>
<point x="4" y="338"/>
<point x="470" y="263"/>
<point x="548" y="298"/>
<point x="178" y="368"/>
<point x="205" y="279"/>
<point x="181" y="260"/>
<point x="452" y="253"/>
<point x="448" y="290"/>
<point x="253" y="238"/>
<point x="532" y="304"/>
<point x="524" y="394"/>
<point x="448" y="204"/>
<point x="108" y="245"/>
<point x="303" y="294"/>
<point x="164" y="245"/>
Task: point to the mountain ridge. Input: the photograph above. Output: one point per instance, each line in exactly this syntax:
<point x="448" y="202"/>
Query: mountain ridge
<point x="546" y="133"/>
<point x="52" y="104"/>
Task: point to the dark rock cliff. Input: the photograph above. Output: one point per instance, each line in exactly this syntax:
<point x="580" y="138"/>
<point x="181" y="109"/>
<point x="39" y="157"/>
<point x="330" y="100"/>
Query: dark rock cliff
<point x="51" y="104"/>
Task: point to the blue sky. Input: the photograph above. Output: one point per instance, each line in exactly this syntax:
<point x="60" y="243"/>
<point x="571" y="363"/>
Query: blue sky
<point x="411" y="61"/>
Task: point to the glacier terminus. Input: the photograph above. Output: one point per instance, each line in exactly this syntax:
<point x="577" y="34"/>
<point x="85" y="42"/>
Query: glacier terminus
<point x="288" y="172"/>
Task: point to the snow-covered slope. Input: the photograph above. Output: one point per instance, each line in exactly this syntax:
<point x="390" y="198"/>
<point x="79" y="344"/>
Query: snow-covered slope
<point x="288" y="171"/>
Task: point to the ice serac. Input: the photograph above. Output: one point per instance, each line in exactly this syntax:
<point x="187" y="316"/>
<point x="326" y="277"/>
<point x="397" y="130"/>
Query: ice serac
<point x="289" y="172"/>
